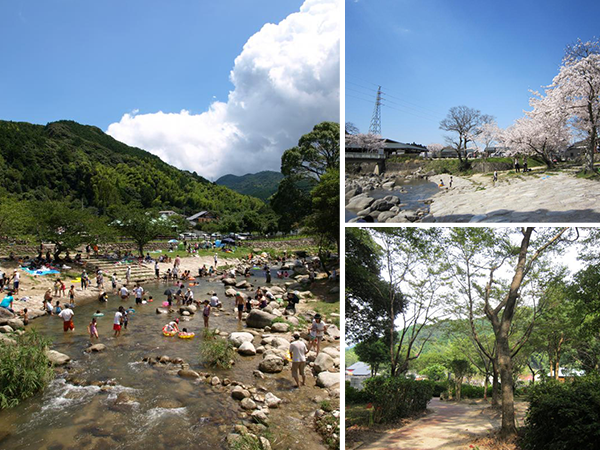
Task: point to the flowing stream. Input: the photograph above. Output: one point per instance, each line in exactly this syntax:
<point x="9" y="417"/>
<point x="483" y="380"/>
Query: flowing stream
<point x="165" y="411"/>
<point x="417" y="191"/>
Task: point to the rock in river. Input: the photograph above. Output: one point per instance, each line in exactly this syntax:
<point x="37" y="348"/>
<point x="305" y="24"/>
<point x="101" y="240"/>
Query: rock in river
<point x="57" y="358"/>
<point x="259" y="319"/>
<point x="271" y="364"/>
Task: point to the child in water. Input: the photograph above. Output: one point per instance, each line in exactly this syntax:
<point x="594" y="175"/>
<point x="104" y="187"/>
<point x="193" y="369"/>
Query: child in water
<point x="206" y="313"/>
<point x="93" y="329"/>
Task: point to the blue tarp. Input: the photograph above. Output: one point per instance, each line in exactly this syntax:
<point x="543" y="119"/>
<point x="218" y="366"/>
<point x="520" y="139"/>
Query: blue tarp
<point x="41" y="271"/>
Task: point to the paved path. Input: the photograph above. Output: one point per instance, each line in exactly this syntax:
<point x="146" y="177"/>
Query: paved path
<point x="534" y="197"/>
<point x="450" y="426"/>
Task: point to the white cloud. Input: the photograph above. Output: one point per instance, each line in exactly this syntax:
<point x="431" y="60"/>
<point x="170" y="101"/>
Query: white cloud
<point x="286" y="80"/>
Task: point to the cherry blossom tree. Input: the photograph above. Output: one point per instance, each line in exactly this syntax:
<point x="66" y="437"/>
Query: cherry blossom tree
<point x="369" y="142"/>
<point x="435" y="149"/>
<point x="542" y="133"/>
<point x="576" y="92"/>
<point x="489" y="133"/>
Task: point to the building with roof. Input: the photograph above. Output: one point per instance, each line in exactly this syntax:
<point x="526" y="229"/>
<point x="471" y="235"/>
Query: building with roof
<point x="201" y="217"/>
<point x="357" y="373"/>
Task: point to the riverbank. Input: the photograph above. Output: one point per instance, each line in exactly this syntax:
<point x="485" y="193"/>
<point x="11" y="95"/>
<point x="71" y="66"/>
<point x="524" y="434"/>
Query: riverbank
<point x="536" y="196"/>
<point x="145" y="381"/>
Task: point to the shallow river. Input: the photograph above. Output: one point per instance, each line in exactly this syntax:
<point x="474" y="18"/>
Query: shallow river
<point x="168" y="411"/>
<point x="417" y="191"/>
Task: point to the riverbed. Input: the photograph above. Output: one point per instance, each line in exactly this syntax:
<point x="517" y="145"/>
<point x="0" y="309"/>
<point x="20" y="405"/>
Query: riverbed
<point x="164" y="410"/>
<point x="413" y="196"/>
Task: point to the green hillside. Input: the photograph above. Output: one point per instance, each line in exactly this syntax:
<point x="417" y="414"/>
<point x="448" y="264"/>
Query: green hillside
<point x="68" y="161"/>
<point x="261" y="185"/>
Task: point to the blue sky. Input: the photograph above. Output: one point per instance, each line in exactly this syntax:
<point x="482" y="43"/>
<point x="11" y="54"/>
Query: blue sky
<point x="214" y="87"/>
<point x="430" y="55"/>
<point x="92" y="61"/>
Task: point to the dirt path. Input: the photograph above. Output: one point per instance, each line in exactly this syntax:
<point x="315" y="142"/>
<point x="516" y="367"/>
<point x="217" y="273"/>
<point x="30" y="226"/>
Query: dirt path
<point x="449" y="426"/>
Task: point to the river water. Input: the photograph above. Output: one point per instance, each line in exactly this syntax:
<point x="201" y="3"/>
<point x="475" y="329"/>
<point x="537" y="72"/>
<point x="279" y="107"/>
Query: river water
<point x="166" y="411"/>
<point x="417" y="191"/>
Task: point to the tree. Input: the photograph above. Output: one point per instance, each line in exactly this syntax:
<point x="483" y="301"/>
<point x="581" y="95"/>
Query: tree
<point x="483" y="253"/>
<point x="490" y="133"/>
<point x="372" y="143"/>
<point x="435" y="150"/>
<point x="316" y="152"/>
<point x="466" y="123"/>
<point x="460" y="368"/>
<point x="292" y="202"/>
<point x="372" y="352"/>
<point x="542" y="133"/>
<point x="325" y="219"/>
<point x="142" y="226"/>
<point x="67" y="228"/>
<point x="435" y="372"/>
<point x="367" y="293"/>
<point x="575" y="91"/>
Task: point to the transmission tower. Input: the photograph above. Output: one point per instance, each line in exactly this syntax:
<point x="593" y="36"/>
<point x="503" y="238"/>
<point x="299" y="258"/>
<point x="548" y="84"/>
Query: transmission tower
<point x="375" y="127"/>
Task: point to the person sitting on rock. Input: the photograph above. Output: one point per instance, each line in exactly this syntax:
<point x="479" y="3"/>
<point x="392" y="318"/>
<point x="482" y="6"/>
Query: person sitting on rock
<point x="293" y="299"/>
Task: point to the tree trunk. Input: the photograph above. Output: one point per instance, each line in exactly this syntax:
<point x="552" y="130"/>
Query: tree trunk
<point x="505" y="363"/>
<point x="486" y="384"/>
<point x="495" y="385"/>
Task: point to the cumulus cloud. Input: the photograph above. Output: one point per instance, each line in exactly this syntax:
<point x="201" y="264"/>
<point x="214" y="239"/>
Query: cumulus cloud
<point x="286" y="80"/>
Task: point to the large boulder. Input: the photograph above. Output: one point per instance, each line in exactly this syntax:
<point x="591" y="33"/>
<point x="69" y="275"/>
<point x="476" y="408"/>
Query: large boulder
<point x="6" y="329"/>
<point x="272" y="401"/>
<point x="96" y="348"/>
<point x="230" y="292"/>
<point x="276" y="290"/>
<point x="280" y="327"/>
<point x="189" y="308"/>
<point x="280" y="343"/>
<point x="331" y="351"/>
<point x="15" y="323"/>
<point x="323" y="363"/>
<point x="4" y="339"/>
<point x="248" y="403"/>
<point x="243" y="285"/>
<point x="57" y="358"/>
<point x="328" y="379"/>
<point x="247" y="349"/>
<point x="359" y="202"/>
<point x="162" y="311"/>
<point x="188" y="373"/>
<point x="238" y="338"/>
<point x="333" y="331"/>
<point x="229" y="281"/>
<point x="5" y="314"/>
<point x="271" y="364"/>
<point x="259" y="319"/>
<point x="239" y="393"/>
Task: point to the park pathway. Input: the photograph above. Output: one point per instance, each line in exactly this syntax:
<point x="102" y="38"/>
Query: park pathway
<point x="450" y="426"/>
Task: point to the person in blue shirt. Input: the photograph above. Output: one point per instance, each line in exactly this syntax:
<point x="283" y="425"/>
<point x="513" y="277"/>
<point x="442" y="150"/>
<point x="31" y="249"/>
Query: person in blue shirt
<point x="7" y="303"/>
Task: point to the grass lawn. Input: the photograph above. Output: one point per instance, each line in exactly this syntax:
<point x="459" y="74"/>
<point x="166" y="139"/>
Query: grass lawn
<point x="357" y="415"/>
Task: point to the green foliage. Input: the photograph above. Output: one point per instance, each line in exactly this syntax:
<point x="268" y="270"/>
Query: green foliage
<point x="354" y="396"/>
<point x="24" y="369"/>
<point x="68" y="161"/>
<point x="435" y="372"/>
<point x="367" y="294"/>
<point x="325" y="219"/>
<point x="440" y="387"/>
<point x="396" y="397"/>
<point x="143" y="226"/>
<point x="317" y="152"/>
<point x="470" y="391"/>
<point x="216" y="351"/>
<point x="292" y="202"/>
<point x="373" y="352"/>
<point x="564" y="416"/>
<point x="260" y="185"/>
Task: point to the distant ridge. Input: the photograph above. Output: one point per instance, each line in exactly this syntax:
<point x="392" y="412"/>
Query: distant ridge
<point x="260" y="185"/>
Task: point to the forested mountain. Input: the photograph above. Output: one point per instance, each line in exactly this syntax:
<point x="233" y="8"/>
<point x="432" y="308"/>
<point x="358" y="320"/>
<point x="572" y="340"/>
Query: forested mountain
<point x="261" y="185"/>
<point x="68" y="161"/>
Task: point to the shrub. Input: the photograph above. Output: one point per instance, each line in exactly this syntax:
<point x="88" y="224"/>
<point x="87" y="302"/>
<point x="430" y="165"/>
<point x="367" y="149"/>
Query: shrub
<point x="396" y="397"/>
<point x="439" y="388"/>
<point x="216" y="351"/>
<point x="24" y="369"/>
<point x="470" y="391"/>
<point x="564" y="415"/>
<point x="354" y="396"/>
